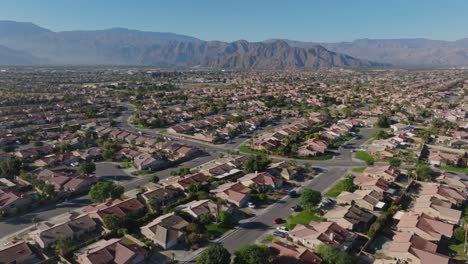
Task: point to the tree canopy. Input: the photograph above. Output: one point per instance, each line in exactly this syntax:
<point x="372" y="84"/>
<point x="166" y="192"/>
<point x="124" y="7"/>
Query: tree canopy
<point x="310" y="198"/>
<point x="104" y="190"/>
<point x="252" y="254"/>
<point x="86" y="168"/>
<point x="215" y="254"/>
<point x="256" y="163"/>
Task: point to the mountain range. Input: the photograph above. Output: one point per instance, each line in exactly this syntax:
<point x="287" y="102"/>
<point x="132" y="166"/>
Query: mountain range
<point x="122" y="46"/>
<point x="27" y="43"/>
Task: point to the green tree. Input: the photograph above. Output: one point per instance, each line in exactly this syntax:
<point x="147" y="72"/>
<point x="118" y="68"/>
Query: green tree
<point x="63" y="247"/>
<point x="331" y="255"/>
<point x="113" y="222"/>
<point x="383" y="121"/>
<point x="10" y="166"/>
<point x="256" y="163"/>
<point x="104" y="190"/>
<point x="86" y="168"/>
<point x="226" y="218"/>
<point x="423" y="172"/>
<point x="310" y="198"/>
<point x="252" y="254"/>
<point x="154" y="179"/>
<point x="215" y="254"/>
<point x="395" y="162"/>
<point x="380" y="134"/>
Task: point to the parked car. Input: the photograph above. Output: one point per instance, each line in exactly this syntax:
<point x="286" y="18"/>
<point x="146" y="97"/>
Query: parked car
<point x="278" y="220"/>
<point x="279" y="234"/>
<point x="292" y="193"/>
<point x="251" y="205"/>
<point x="296" y="208"/>
<point x="282" y="229"/>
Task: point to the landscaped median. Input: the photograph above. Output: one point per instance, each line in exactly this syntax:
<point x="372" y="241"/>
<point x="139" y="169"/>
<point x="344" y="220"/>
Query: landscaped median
<point x="303" y="217"/>
<point x="341" y="186"/>
<point x="365" y="156"/>
<point x="248" y="150"/>
<point x="454" y="169"/>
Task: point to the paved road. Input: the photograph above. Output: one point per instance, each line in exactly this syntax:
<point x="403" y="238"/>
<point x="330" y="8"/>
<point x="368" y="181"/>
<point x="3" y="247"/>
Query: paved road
<point x="335" y="169"/>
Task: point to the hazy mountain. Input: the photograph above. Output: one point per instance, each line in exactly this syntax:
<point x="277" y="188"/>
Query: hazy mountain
<point x="13" y="57"/>
<point x="124" y="46"/>
<point x="401" y="52"/>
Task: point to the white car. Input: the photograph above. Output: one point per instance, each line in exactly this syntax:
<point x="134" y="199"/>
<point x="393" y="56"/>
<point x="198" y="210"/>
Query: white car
<point x="75" y="164"/>
<point x="251" y="205"/>
<point x="282" y="229"/>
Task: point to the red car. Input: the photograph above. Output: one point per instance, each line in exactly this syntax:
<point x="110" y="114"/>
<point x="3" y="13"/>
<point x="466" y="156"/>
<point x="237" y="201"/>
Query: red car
<point x="278" y="220"/>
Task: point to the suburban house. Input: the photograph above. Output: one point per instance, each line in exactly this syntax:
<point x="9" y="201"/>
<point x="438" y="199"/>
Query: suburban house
<point x="263" y="180"/>
<point x="11" y="201"/>
<point x="202" y="207"/>
<point x="415" y="249"/>
<point x="313" y="147"/>
<point x="146" y="161"/>
<point x="234" y="193"/>
<point x="166" y="230"/>
<point x="438" y="158"/>
<point x="224" y="168"/>
<point x="111" y="251"/>
<point x="351" y="217"/>
<point x="288" y="253"/>
<point x="437" y="208"/>
<point x="160" y="196"/>
<point x="182" y="182"/>
<point x="19" y="253"/>
<point x="282" y="169"/>
<point x="425" y="226"/>
<point x="116" y="207"/>
<point x="47" y="234"/>
<point x="367" y="199"/>
<point x="453" y="181"/>
<point x="388" y="173"/>
<point x="443" y="193"/>
<point x="315" y="233"/>
<point x="365" y="182"/>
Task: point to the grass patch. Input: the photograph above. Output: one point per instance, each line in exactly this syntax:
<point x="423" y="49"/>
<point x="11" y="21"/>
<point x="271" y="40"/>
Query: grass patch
<point x="248" y="150"/>
<point x="459" y="250"/>
<point x="127" y="241"/>
<point x="321" y="157"/>
<point x="303" y="217"/>
<point x="126" y="164"/>
<point x="269" y="239"/>
<point x="365" y="156"/>
<point x="141" y="172"/>
<point x="216" y="230"/>
<point x="455" y="169"/>
<point x="358" y="169"/>
<point x="341" y="186"/>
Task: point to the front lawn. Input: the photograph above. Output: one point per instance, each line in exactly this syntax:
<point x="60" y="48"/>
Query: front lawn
<point x="365" y="156"/>
<point x="248" y="150"/>
<point x="455" y="169"/>
<point x="459" y="250"/>
<point x="343" y="185"/>
<point x="216" y="230"/>
<point x="303" y="217"/>
<point x="358" y="169"/>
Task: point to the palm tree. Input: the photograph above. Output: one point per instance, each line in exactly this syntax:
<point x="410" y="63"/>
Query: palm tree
<point x="465" y="227"/>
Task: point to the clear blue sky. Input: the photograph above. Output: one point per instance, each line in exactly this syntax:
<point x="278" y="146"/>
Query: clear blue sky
<point x="253" y="20"/>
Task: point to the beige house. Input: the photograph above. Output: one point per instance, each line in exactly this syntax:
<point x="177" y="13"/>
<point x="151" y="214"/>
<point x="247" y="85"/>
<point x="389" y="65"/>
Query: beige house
<point x="46" y="235"/>
<point x="436" y="208"/>
<point x="166" y="230"/>
<point x="424" y="226"/>
<point x="111" y="251"/>
<point x="368" y="199"/>
<point x="18" y="253"/>
<point x="415" y="249"/>
<point x="316" y="233"/>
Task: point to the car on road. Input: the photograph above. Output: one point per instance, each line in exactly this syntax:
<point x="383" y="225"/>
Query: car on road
<point x="278" y="220"/>
<point x="251" y="205"/>
<point x="279" y="234"/>
<point x="292" y="193"/>
<point x="282" y="229"/>
<point x="296" y="208"/>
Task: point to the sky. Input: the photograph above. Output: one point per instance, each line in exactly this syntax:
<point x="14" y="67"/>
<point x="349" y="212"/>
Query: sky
<point x="253" y="20"/>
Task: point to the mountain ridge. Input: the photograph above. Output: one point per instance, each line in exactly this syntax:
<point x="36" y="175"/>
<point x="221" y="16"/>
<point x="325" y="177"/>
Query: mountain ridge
<point x="123" y="46"/>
